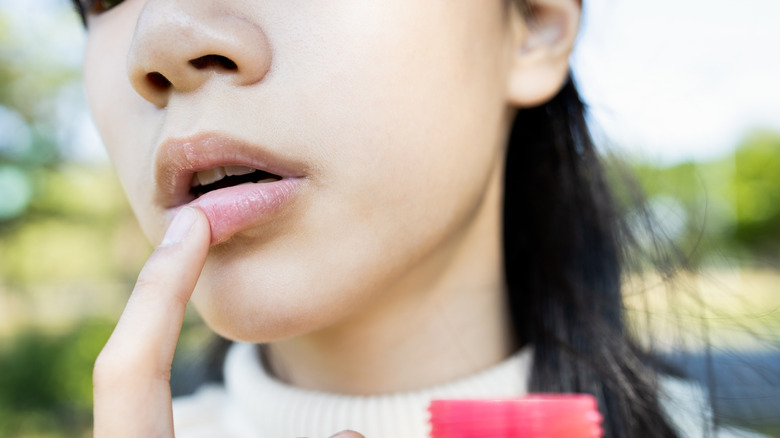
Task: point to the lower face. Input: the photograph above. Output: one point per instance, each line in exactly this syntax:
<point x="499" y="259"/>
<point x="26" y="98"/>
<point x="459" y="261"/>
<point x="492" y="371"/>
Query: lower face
<point x="395" y="111"/>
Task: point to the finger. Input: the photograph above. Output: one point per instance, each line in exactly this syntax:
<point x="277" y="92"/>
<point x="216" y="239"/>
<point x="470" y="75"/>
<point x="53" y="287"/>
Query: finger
<point x="132" y="373"/>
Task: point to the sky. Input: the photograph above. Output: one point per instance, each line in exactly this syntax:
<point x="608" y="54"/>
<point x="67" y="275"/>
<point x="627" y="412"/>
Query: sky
<point x="664" y="80"/>
<point x="672" y="80"/>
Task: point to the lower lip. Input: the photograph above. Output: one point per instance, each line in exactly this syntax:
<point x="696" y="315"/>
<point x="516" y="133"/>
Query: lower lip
<point x="234" y="209"/>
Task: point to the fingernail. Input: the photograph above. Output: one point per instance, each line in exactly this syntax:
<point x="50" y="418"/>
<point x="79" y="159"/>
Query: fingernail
<point x="180" y="226"/>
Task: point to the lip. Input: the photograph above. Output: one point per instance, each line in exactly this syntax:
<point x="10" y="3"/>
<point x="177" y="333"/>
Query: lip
<point x="232" y="209"/>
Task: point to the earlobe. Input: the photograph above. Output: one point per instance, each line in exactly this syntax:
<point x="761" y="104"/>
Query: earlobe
<point x="541" y="45"/>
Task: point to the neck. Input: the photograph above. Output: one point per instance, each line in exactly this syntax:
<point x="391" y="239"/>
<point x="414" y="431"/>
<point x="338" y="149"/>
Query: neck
<point x="443" y="320"/>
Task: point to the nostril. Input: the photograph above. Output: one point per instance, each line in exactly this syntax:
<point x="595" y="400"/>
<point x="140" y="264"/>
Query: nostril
<point x="213" y="61"/>
<point x="158" y="80"/>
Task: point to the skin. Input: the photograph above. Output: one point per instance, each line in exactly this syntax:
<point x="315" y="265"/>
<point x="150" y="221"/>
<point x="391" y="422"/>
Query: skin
<point x="385" y="273"/>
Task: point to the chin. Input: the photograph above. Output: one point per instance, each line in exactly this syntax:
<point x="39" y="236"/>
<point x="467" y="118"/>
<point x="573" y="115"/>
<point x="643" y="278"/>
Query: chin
<point x="244" y="324"/>
<point x="247" y="313"/>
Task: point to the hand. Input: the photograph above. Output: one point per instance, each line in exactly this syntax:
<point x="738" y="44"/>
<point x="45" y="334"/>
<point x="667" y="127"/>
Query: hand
<point x="132" y="373"/>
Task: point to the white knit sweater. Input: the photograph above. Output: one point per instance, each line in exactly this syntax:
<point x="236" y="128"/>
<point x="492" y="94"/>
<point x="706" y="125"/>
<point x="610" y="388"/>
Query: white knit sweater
<point x="253" y="404"/>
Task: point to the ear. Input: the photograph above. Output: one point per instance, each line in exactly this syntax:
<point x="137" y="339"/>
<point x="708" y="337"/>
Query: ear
<point x="542" y="40"/>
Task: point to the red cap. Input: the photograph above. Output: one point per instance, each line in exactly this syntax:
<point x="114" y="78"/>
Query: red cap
<point x="533" y="416"/>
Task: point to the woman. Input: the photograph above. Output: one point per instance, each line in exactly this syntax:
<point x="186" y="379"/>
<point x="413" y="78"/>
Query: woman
<point x="398" y="199"/>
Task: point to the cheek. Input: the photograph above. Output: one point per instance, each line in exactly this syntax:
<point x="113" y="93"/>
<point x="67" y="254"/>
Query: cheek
<point x="414" y="116"/>
<point x="105" y="72"/>
<point x="117" y="109"/>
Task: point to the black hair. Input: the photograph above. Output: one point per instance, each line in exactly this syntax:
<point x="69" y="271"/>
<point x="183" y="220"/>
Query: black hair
<point x="564" y="277"/>
<point x="566" y="245"/>
<point x="79" y="7"/>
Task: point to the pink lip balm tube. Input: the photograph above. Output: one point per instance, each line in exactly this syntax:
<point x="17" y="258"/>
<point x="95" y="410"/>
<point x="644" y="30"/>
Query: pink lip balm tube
<point x="533" y="416"/>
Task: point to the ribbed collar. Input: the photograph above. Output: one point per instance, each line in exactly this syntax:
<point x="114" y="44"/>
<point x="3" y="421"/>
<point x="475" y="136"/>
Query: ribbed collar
<point x="272" y="408"/>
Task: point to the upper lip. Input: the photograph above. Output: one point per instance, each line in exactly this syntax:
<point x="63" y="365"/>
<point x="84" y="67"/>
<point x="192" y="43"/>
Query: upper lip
<point x="178" y="159"/>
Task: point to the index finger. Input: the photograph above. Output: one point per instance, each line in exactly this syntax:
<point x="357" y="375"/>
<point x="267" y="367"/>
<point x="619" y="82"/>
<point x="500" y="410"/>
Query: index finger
<point x="132" y="373"/>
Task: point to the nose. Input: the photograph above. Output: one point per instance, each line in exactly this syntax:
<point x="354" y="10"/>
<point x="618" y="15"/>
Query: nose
<point x="179" y="46"/>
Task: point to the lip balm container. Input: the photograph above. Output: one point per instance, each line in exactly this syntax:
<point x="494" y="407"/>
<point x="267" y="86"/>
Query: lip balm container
<point x="533" y="416"/>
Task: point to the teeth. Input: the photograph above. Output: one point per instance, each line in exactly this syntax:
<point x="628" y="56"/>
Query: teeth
<point x="206" y="177"/>
<point x="238" y="170"/>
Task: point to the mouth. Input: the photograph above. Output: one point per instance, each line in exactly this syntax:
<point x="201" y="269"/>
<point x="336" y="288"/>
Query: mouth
<point x="237" y="185"/>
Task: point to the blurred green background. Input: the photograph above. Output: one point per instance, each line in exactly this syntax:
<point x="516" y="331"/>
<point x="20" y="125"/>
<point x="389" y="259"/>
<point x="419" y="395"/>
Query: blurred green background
<point x="70" y="249"/>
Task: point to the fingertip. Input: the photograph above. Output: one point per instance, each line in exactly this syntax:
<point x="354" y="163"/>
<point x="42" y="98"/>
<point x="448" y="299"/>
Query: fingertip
<point x="201" y="221"/>
<point x="180" y="226"/>
<point x="188" y="222"/>
<point x="203" y="226"/>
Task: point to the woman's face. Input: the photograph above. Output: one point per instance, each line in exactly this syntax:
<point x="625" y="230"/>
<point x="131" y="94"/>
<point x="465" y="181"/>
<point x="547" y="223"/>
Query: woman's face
<point x="382" y="122"/>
